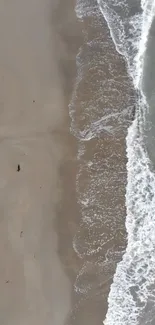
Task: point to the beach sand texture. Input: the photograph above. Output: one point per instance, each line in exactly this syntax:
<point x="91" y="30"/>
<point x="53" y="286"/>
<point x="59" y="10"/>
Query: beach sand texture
<point x="34" y="132"/>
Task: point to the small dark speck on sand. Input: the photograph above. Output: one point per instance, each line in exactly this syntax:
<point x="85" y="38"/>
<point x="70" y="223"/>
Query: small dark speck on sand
<point x="21" y="234"/>
<point x="7" y="281"/>
<point x="33" y="101"/>
<point x="18" y="168"/>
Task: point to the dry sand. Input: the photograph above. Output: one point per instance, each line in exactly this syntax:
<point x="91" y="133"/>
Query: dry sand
<point x="35" y="85"/>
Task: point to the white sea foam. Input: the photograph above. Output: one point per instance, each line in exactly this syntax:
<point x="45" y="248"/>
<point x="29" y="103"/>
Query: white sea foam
<point x="84" y="9"/>
<point x="148" y="7"/>
<point x="134" y="277"/>
<point x="135" y="274"/>
<point x="124" y="32"/>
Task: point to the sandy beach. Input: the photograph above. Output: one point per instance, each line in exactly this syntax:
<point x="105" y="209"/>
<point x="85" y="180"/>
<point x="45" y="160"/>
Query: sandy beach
<point x="35" y="85"/>
<point x="62" y="210"/>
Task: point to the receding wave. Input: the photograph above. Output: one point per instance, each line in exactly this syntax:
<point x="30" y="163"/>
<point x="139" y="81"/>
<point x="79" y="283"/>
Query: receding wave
<point x="132" y="293"/>
<point x="101" y="109"/>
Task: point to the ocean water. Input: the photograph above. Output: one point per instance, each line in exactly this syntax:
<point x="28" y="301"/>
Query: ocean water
<point x="132" y="295"/>
<point x="114" y="85"/>
<point x="101" y="109"/>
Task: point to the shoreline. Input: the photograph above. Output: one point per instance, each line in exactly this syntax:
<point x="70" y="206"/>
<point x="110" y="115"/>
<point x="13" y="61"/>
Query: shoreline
<point x="101" y="174"/>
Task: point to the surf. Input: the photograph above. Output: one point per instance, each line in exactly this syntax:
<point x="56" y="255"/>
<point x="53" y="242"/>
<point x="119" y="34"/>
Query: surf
<point x="132" y="291"/>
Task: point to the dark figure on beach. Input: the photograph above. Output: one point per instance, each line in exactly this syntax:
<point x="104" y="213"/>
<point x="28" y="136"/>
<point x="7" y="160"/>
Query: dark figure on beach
<point x="18" y="168"/>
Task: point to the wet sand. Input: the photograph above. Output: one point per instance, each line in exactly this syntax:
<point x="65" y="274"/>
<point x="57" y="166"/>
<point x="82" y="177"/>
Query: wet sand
<point x="39" y="40"/>
<point x="101" y="111"/>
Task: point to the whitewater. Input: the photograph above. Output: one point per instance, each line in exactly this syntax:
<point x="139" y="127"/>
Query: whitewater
<point x="132" y="294"/>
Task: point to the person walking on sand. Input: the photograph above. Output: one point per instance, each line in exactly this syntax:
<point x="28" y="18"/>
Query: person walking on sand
<point x="18" y="168"/>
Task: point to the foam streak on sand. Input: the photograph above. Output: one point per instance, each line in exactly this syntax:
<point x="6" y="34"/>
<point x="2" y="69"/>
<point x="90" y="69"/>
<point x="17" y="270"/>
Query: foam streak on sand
<point x="132" y="292"/>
